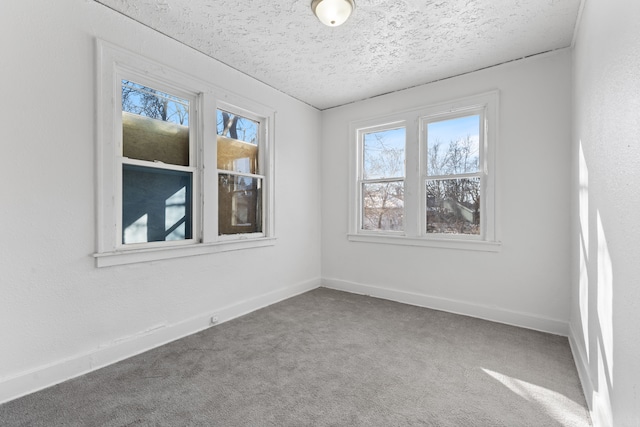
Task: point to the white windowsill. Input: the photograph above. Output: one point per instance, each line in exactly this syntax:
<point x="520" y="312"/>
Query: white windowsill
<point x="131" y="256"/>
<point x="470" y="245"/>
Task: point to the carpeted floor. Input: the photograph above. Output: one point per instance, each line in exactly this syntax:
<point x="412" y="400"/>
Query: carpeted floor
<point x="328" y="358"/>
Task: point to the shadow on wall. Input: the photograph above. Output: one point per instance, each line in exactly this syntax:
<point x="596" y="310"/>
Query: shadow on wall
<point x="595" y="297"/>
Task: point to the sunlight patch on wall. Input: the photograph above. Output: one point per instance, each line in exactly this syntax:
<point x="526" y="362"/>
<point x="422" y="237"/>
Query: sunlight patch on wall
<point x="583" y="212"/>
<point x="602" y="396"/>
<point x="583" y="196"/>
<point x="605" y="299"/>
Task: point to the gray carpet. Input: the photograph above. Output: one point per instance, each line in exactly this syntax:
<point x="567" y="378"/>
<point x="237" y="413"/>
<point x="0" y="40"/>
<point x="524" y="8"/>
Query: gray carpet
<point x="328" y="358"/>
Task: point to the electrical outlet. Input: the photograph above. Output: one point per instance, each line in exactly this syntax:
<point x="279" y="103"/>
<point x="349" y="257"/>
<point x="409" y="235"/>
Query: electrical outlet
<point x="214" y="319"/>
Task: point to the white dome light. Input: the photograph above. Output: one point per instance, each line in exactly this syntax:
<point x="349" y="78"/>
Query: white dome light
<point x="333" y="12"/>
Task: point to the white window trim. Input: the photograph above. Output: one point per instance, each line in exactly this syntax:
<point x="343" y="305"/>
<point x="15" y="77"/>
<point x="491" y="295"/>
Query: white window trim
<point x="113" y="63"/>
<point x="266" y="161"/>
<point x="387" y="125"/>
<point x="195" y="142"/>
<point x="414" y="233"/>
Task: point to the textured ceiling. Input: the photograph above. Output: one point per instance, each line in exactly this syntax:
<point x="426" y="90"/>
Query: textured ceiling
<point x="386" y="45"/>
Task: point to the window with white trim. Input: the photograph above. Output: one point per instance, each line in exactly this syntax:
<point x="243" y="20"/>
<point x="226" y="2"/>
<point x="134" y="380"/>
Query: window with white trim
<point x="156" y="165"/>
<point x="426" y="177"/>
<point x="240" y="180"/>
<point x="382" y="180"/>
<point x="184" y="168"/>
<point x="453" y="177"/>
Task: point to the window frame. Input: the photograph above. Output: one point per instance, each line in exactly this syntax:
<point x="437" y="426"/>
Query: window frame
<point x="114" y="64"/>
<point x="195" y="140"/>
<point x="263" y="166"/>
<point x="416" y="176"/>
<point x="482" y="173"/>
<point x="361" y="132"/>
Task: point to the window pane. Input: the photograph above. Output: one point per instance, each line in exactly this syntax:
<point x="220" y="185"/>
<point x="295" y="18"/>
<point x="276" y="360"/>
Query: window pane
<point x="155" y="125"/>
<point x="237" y="156"/>
<point x="453" y="146"/>
<point x="383" y="154"/>
<point x="156" y="205"/>
<point x="383" y="206"/>
<point x="239" y="204"/>
<point x="237" y="143"/>
<point x="453" y="206"/>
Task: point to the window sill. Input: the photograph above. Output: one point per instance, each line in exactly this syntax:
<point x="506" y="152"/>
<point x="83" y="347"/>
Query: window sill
<point x="469" y="245"/>
<point x="108" y="259"/>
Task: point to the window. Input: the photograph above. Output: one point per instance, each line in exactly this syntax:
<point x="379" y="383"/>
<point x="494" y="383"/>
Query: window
<point x="157" y="165"/>
<point x="158" y="195"/>
<point x="429" y="184"/>
<point x="453" y="183"/>
<point x="382" y="181"/>
<point x="239" y="180"/>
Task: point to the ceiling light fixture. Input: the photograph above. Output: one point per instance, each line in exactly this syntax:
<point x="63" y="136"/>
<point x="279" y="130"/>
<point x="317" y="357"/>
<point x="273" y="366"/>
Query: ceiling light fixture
<point x="333" y="12"/>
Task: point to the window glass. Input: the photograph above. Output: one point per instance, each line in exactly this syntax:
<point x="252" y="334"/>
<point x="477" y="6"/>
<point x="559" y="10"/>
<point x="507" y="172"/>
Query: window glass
<point x="453" y="206"/>
<point x="237" y="127"/>
<point x="453" y="149"/>
<point x="237" y="143"/>
<point x="239" y="204"/>
<point x="384" y="154"/>
<point x="239" y="180"/>
<point x="383" y="206"/>
<point x="155" y="125"/>
<point x="453" y="146"/>
<point x="156" y="199"/>
<point x="383" y="169"/>
<point x="156" y="204"/>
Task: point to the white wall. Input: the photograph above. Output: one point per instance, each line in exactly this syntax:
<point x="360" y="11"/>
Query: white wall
<point x="606" y="193"/>
<point x="59" y="314"/>
<point x="527" y="282"/>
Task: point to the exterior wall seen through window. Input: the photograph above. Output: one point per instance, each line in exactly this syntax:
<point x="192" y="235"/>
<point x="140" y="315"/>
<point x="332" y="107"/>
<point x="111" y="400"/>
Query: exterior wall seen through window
<point x="161" y="131"/>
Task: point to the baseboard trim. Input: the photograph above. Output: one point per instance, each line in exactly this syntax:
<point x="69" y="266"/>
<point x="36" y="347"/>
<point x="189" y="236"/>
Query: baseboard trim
<point x="583" y="370"/>
<point x="598" y="402"/>
<point x="54" y="373"/>
<point x="494" y="314"/>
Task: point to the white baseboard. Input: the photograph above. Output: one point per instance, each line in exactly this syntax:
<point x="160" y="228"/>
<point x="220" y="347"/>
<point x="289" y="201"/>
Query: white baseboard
<point x="583" y="370"/>
<point x="598" y="402"/>
<point x="54" y="373"/>
<point x="495" y="314"/>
